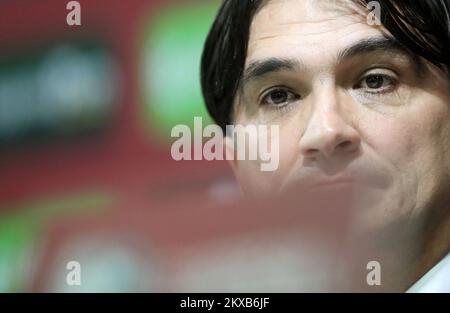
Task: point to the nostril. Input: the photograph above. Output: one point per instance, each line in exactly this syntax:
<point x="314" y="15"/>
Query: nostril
<point x="311" y="152"/>
<point x="345" y="145"/>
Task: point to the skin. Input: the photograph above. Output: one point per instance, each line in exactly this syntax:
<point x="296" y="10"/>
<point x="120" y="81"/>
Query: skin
<point x="373" y="121"/>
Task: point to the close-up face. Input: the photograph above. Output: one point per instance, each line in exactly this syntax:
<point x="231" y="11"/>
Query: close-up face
<point x="354" y="108"/>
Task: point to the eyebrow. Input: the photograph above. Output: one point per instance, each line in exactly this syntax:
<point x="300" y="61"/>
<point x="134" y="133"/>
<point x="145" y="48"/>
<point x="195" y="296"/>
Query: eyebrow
<point x="263" y="67"/>
<point x="372" y="45"/>
<point x="260" y="68"/>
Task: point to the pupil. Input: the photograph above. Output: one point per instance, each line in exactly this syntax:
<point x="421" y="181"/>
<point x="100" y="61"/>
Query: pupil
<point x="374" y="82"/>
<point x="279" y="97"/>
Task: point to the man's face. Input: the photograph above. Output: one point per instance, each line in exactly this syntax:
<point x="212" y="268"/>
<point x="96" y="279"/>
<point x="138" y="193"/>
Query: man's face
<point x="351" y="106"/>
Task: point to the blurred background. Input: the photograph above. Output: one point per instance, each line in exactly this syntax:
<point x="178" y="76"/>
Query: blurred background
<point x="85" y="119"/>
<point x="86" y="172"/>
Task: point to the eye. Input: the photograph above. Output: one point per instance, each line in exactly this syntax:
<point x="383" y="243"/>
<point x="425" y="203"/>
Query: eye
<point x="376" y="83"/>
<point x="278" y="97"/>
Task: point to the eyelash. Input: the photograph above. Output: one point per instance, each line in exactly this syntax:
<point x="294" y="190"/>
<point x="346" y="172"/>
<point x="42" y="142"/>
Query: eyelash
<point x="268" y="93"/>
<point x="393" y="83"/>
<point x="263" y="99"/>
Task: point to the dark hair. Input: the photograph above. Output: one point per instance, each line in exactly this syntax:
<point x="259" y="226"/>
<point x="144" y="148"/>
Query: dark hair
<point x="422" y="26"/>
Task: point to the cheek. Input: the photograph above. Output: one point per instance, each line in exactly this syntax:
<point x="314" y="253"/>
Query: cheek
<point x="413" y="142"/>
<point x="407" y="135"/>
<point x="253" y="179"/>
<point x="289" y="149"/>
<point x="392" y="139"/>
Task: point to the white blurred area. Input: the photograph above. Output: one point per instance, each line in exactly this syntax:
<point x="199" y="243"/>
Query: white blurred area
<point x="275" y="263"/>
<point x="293" y="243"/>
<point x="107" y="193"/>
<point x="69" y="88"/>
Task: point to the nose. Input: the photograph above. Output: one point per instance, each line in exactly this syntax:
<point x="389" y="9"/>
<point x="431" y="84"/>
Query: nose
<point x="328" y="134"/>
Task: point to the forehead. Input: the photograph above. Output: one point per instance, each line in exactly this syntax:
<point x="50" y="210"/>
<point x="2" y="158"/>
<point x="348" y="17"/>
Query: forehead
<point x="292" y="28"/>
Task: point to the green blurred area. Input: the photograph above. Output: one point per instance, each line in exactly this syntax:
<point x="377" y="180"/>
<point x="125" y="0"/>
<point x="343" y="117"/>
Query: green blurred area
<point x="72" y="88"/>
<point x="172" y="46"/>
<point x="22" y="226"/>
<point x="56" y="91"/>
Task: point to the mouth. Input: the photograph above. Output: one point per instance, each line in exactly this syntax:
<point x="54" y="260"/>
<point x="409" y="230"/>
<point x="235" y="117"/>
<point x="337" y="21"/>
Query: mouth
<point x="331" y="183"/>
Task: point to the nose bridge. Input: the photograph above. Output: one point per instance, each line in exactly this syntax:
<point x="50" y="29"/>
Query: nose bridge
<point x="326" y="113"/>
<point x="328" y="116"/>
<point x="326" y="105"/>
<point x="328" y="130"/>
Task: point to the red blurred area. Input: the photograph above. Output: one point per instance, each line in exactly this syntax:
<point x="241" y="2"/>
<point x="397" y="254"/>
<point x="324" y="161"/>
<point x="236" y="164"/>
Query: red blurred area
<point x="121" y="157"/>
<point x="165" y="225"/>
<point x="122" y="160"/>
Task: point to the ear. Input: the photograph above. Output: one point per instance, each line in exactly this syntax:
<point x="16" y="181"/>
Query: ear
<point x="230" y="155"/>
